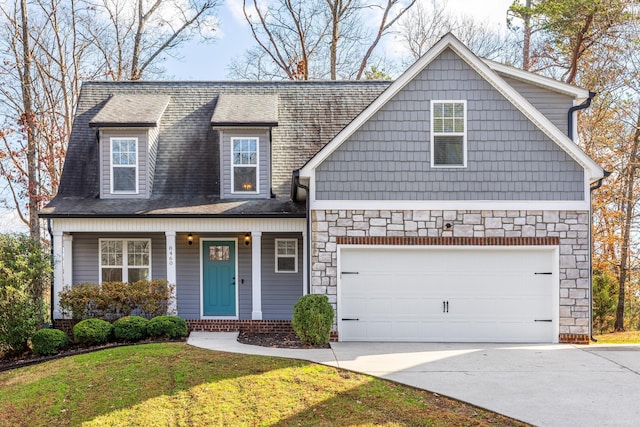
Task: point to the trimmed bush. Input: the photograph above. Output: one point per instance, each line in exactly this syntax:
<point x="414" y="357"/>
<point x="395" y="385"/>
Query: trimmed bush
<point x="112" y="300"/>
<point x="130" y="328"/>
<point x="312" y="319"/>
<point x="46" y="342"/>
<point x="167" y="326"/>
<point x="92" y="332"/>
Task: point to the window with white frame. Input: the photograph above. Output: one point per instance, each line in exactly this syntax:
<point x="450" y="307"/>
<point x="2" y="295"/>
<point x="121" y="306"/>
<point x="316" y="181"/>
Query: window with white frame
<point x="124" y="165"/>
<point x="125" y="260"/>
<point x="286" y="255"/>
<point x="448" y="134"/>
<point x="244" y="165"/>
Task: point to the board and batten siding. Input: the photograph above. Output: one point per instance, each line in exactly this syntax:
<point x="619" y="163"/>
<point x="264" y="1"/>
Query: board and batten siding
<point x="280" y="291"/>
<point x="188" y="274"/>
<point x="86" y="255"/>
<point x="555" y="106"/>
<point x="105" y="162"/>
<point x="264" y="155"/>
<point x="508" y="157"/>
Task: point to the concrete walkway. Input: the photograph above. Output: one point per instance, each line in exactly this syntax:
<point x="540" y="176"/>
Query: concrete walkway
<point x="545" y="385"/>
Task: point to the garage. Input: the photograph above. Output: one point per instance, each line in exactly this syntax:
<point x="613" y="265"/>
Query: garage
<point x="457" y="294"/>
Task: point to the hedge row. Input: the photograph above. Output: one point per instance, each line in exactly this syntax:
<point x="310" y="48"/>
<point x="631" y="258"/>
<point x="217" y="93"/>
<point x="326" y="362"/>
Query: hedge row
<point x="97" y="331"/>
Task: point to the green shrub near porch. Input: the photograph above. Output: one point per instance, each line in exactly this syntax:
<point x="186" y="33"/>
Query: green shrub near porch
<point x="130" y="328"/>
<point x="312" y="319"/>
<point x="167" y="327"/>
<point x="112" y="300"/>
<point x="92" y="332"/>
<point x="47" y="342"/>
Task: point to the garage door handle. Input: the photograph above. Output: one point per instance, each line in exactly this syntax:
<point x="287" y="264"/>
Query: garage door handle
<point x="353" y="320"/>
<point x="445" y="306"/>
<point x="546" y="274"/>
<point x="543" y="320"/>
<point x="350" y="272"/>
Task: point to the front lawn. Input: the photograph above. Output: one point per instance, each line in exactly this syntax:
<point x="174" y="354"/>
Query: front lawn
<point x="628" y="337"/>
<point x="174" y="384"/>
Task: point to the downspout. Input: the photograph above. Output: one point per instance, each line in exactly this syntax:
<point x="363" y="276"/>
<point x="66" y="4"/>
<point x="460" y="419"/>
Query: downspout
<point x="294" y="195"/>
<point x="51" y="296"/>
<point x="592" y="189"/>
<point x="575" y="108"/>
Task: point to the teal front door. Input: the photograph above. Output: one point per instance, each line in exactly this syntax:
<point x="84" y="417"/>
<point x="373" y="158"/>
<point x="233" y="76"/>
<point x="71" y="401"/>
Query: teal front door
<point x="219" y="278"/>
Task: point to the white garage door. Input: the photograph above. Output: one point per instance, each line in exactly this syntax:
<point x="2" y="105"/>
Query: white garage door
<point x="473" y="295"/>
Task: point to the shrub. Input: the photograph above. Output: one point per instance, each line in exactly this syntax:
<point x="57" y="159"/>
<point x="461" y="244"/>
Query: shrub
<point x="112" y="300"/>
<point x="312" y="319"/>
<point x="24" y="277"/>
<point x="49" y="341"/>
<point x="130" y="328"/>
<point x="92" y="331"/>
<point x="605" y="301"/>
<point x="167" y="326"/>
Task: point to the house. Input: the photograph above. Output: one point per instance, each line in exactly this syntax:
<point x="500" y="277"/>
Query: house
<point x="449" y="205"/>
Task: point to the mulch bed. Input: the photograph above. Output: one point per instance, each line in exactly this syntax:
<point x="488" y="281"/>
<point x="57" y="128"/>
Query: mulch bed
<point x="275" y="340"/>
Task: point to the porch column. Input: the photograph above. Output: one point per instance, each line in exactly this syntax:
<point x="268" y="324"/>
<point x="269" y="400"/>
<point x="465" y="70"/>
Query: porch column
<point x="67" y="259"/>
<point x="58" y="272"/>
<point x="256" y="274"/>
<point x="171" y="270"/>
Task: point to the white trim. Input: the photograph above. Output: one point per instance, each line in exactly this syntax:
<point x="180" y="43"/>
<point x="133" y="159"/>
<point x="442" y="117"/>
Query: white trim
<point x="58" y="272"/>
<point x="451" y="205"/>
<point x="538" y="80"/>
<point x="111" y="165"/>
<point x="125" y="263"/>
<point x="217" y="239"/>
<point x="295" y="255"/>
<point x="462" y="134"/>
<point x="305" y="274"/>
<point x="555" y="289"/>
<point x="179" y="225"/>
<point x="257" y="165"/>
<point x="256" y="275"/>
<point x="171" y="270"/>
<point x="450" y="41"/>
<point x="67" y="259"/>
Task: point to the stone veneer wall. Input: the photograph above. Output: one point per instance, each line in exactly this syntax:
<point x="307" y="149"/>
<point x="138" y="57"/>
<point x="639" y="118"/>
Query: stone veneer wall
<point x="570" y="228"/>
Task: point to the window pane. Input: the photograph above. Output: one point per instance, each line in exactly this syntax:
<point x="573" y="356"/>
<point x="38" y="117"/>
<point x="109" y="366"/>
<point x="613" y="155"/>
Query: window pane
<point x="437" y="125"/>
<point x="111" y="252"/>
<point x="124" y="152"/>
<point x="448" y="125"/>
<point x="459" y="110"/>
<point x="138" y="253"/>
<point x="459" y="125"/>
<point x="124" y="179"/>
<point x="437" y="110"/>
<point x="219" y="253"/>
<point x="448" y="150"/>
<point x="112" y="275"/>
<point x="286" y="264"/>
<point x="136" y="274"/>
<point x="244" y="179"/>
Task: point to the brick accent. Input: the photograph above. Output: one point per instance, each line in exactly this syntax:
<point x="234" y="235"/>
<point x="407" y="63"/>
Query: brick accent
<point x="449" y="241"/>
<point x="253" y="326"/>
<point x="574" y="339"/>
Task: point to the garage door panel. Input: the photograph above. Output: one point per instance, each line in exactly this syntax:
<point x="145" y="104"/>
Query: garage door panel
<point x="402" y="295"/>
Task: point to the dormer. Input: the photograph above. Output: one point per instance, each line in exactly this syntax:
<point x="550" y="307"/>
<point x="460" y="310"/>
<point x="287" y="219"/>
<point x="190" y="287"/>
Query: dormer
<point x="127" y="127"/>
<point x="244" y="123"/>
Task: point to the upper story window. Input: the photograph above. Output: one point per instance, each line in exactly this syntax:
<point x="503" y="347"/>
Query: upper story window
<point x="124" y="165"/>
<point x="244" y="165"/>
<point x="123" y="260"/>
<point x="448" y="134"/>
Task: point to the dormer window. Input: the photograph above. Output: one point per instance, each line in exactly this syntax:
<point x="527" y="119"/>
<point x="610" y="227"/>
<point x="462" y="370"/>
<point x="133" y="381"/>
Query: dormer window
<point x="124" y="165"/>
<point x="244" y="165"/>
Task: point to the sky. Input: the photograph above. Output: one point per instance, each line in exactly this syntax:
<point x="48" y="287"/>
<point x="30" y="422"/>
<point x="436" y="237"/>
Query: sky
<point x="210" y="61"/>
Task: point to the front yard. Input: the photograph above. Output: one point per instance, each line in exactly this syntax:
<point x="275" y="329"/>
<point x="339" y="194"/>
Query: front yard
<point x="174" y="384"/>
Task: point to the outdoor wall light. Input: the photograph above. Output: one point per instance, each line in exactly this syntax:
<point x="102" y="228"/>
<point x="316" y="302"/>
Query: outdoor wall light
<point x="190" y="239"/>
<point x="247" y="239"/>
<point x="448" y="226"/>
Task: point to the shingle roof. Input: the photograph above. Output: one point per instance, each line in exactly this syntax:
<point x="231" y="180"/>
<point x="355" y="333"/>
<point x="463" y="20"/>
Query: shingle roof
<point x="238" y="110"/>
<point x="131" y="110"/>
<point x="309" y="115"/>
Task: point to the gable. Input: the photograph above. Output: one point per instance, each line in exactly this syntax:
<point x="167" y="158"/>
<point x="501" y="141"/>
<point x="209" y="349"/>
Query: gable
<point x="509" y="157"/>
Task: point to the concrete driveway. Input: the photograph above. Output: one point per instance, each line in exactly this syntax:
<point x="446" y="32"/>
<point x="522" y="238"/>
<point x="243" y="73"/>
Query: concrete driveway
<point x="545" y="385"/>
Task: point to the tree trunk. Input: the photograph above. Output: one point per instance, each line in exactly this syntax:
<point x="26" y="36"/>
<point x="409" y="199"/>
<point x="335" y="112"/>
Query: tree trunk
<point x="626" y="232"/>
<point x="526" y="45"/>
<point x="28" y="121"/>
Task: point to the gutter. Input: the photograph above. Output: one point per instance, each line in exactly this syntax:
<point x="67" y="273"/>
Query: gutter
<point x="575" y="108"/>
<point x="294" y="195"/>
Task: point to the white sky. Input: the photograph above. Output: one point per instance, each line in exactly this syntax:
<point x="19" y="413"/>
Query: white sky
<point x="210" y="61"/>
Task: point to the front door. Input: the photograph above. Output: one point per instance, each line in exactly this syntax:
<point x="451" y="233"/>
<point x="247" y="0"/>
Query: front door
<point x="219" y="278"/>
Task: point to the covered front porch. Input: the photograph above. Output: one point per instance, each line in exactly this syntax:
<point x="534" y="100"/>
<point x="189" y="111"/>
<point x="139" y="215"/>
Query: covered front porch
<point x="225" y="270"/>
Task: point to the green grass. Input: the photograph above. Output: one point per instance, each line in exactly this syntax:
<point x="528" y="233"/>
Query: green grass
<point x="173" y="384"/>
<point x="629" y="337"/>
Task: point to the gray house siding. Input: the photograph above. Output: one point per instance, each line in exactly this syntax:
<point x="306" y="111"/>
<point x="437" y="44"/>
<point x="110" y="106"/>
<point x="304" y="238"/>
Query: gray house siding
<point x="86" y="253"/>
<point x="105" y="161"/>
<point x="153" y="153"/>
<point x="508" y="157"/>
<point x="264" y="148"/>
<point x="188" y="275"/>
<point x="280" y="291"/>
<point x="552" y="104"/>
